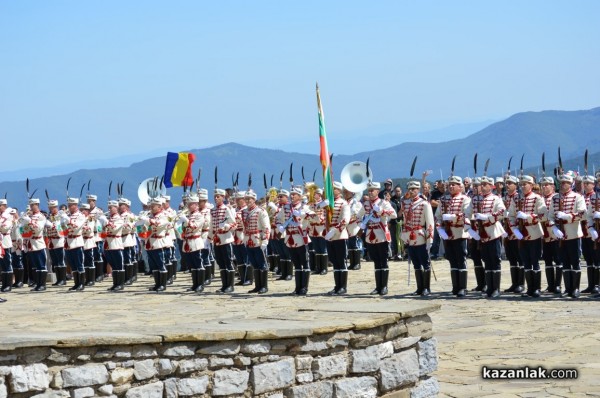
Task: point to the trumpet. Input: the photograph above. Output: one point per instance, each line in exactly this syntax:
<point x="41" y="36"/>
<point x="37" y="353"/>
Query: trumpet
<point x="311" y="188"/>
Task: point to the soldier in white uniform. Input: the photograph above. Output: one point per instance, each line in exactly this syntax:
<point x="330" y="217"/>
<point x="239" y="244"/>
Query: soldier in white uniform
<point x="377" y="235"/>
<point x="192" y="226"/>
<point x="72" y="224"/>
<point x="289" y="222"/>
<point x="156" y="242"/>
<point x="170" y="259"/>
<point x="112" y="229"/>
<point x="475" y="245"/>
<point x="453" y="222"/>
<point x="286" y="267"/>
<point x="205" y="253"/>
<point x="129" y="241"/>
<point x="524" y="215"/>
<point x="33" y="224"/>
<point x="550" y="254"/>
<point x="356" y="214"/>
<point x="488" y="230"/>
<point x="16" y="250"/>
<point x="88" y="232"/>
<point x="316" y="232"/>
<point x="417" y="233"/>
<point x="257" y="229"/>
<point x="245" y="270"/>
<point x="6" y="226"/>
<point x="99" y="265"/>
<point x="587" y="243"/>
<point x="336" y="237"/>
<point x="55" y="233"/>
<point x="565" y="215"/>
<point x="593" y="222"/>
<point x="221" y="236"/>
<point x="511" y="243"/>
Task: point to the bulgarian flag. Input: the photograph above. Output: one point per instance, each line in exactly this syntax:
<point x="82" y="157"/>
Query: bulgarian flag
<point x="178" y="169"/>
<point x="324" y="157"/>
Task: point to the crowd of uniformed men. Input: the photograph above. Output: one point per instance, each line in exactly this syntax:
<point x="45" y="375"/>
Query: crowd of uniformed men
<point x="291" y="234"/>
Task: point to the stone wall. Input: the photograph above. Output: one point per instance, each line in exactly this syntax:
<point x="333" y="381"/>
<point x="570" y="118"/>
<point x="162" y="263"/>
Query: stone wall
<point x="394" y="359"/>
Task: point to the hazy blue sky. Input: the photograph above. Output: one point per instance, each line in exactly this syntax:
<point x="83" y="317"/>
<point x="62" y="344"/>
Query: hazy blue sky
<point x="88" y="80"/>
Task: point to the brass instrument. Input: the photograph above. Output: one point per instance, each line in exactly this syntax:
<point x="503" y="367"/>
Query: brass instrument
<point x="355" y="177"/>
<point x="311" y="188"/>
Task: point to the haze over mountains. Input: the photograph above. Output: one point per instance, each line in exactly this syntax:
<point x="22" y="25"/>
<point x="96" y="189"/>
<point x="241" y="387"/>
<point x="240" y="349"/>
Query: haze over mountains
<point x="529" y="133"/>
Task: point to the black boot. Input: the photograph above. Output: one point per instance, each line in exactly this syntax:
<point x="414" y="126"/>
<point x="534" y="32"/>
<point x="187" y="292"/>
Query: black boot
<point x="590" y="279"/>
<point x="480" y="278"/>
<point x="141" y="267"/>
<point x="156" y="276"/>
<point x="298" y="282"/>
<point x="100" y="269"/>
<point x="264" y="281"/>
<point x="173" y="269"/>
<point x="169" y="273"/>
<point x="162" y="281"/>
<point x="558" y="280"/>
<point x="223" y="275"/>
<point x="271" y="262"/>
<point x="377" y="282"/>
<point x="119" y="280"/>
<point x="356" y="260"/>
<point x="537" y="283"/>
<point x="343" y="282"/>
<point x="230" y="282"/>
<point x="489" y="275"/>
<point x="90" y="276"/>
<point x="462" y="283"/>
<point x="550" y="279"/>
<point x="75" y="286"/>
<point x="385" y="273"/>
<point x="283" y="269"/>
<point x="41" y="281"/>
<point x="82" y="280"/>
<point x="312" y="262"/>
<point x="209" y="274"/>
<point x="454" y="278"/>
<point x="305" y="280"/>
<point x="520" y="281"/>
<point x="277" y="264"/>
<point x="128" y="274"/>
<point x="496" y="277"/>
<point x="249" y="275"/>
<point x="290" y="270"/>
<point x="324" y="263"/>
<point x="6" y="281"/>
<point x="195" y="281"/>
<point x="567" y="276"/>
<point x="257" y="282"/>
<point x="134" y="272"/>
<point x="242" y="273"/>
<point x="426" y="283"/>
<point x="419" y="280"/>
<point x="529" y="280"/>
<point x="19" y="272"/>
<point x="336" y="279"/>
<point x="61" y="276"/>
<point x="514" y="278"/>
<point x="200" y="278"/>
<point x="575" y="284"/>
<point x="596" y="280"/>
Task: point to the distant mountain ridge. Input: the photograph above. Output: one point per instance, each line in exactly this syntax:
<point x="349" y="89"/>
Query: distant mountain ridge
<point x="530" y="133"/>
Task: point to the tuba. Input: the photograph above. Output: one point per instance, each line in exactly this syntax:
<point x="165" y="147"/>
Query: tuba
<point x="147" y="190"/>
<point x="354" y="177"/>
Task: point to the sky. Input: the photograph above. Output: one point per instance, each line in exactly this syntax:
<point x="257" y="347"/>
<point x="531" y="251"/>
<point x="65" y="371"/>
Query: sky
<point x="100" y="80"/>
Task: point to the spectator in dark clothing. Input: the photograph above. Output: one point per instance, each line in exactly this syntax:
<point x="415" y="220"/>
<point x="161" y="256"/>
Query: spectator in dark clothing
<point x="395" y="224"/>
<point x="434" y="200"/>
<point x="387" y="187"/>
<point x="393" y="227"/>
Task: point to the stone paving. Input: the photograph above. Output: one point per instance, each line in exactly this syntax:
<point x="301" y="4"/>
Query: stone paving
<point x="471" y="332"/>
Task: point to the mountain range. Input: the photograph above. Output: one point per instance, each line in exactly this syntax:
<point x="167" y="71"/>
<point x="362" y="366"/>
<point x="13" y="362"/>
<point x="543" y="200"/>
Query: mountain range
<point x="528" y="133"/>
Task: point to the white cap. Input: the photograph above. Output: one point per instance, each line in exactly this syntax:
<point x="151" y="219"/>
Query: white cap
<point x="124" y="201"/>
<point x="3" y="202"/>
<point x="528" y="179"/>
<point x="283" y="192"/>
<point x="166" y="198"/>
<point x="547" y="180"/>
<point x="34" y="201"/>
<point x="219" y="191"/>
<point x="455" y="180"/>
<point x="239" y="195"/>
<point x="373" y="185"/>
<point x="52" y="203"/>
<point x="296" y="191"/>
<point x="91" y="197"/>
<point x="512" y="179"/>
<point x="500" y="179"/>
<point x="566" y="178"/>
<point x="590" y="179"/>
<point x="414" y="184"/>
<point x="193" y="198"/>
<point x="338" y="185"/>
<point x="84" y="206"/>
<point x="486" y="180"/>
<point x="73" y="201"/>
<point x="113" y="203"/>
<point x="156" y="201"/>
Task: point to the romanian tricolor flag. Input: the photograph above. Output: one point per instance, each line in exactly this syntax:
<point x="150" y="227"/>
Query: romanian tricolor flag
<point x="178" y="169"/>
<point x="324" y="157"/>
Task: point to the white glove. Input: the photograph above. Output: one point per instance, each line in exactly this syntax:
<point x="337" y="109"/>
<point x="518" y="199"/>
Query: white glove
<point x="272" y="206"/>
<point x="48" y="224"/>
<point x="26" y="218"/>
<point x="596" y="214"/>
<point x="64" y="218"/>
<point x="449" y="217"/>
<point x="523" y="215"/>
<point x="482" y="216"/>
<point x="103" y="220"/>
<point x="330" y="234"/>
<point x="593" y="233"/>
<point x="280" y="228"/>
<point x="504" y="234"/>
<point x="376" y="208"/>
<point x="473" y="234"/>
<point x="323" y="203"/>
<point x="517" y="233"/>
<point x="263" y="244"/>
<point x="183" y="218"/>
<point x="557" y="232"/>
<point x="296" y="213"/>
<point x="6" y="213"/>
<point x="443" y="233"/>
<point x="562" y="215"/>
<point x="428" y="245"/>
<point x="363" y="226"/>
